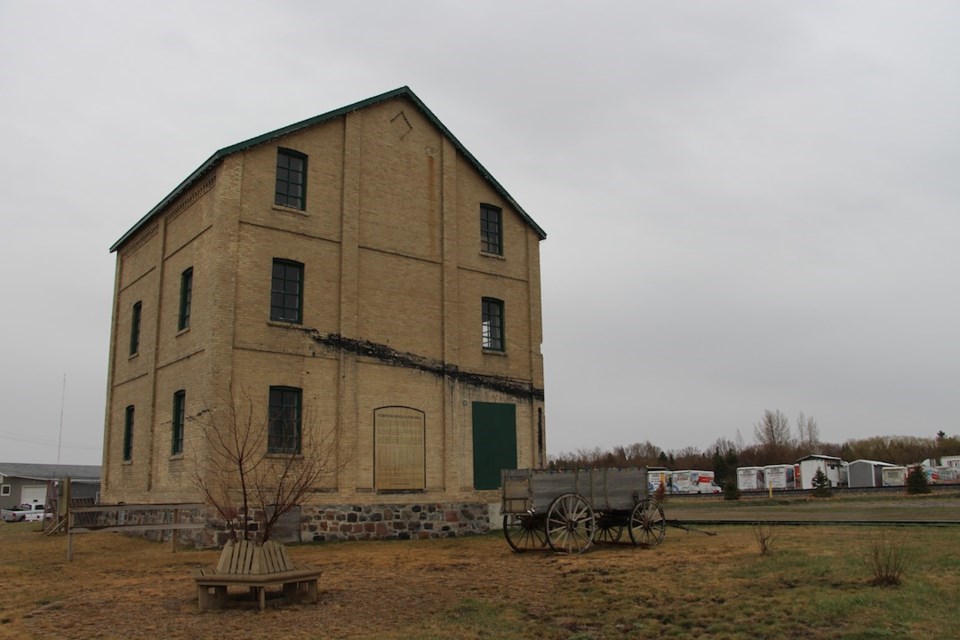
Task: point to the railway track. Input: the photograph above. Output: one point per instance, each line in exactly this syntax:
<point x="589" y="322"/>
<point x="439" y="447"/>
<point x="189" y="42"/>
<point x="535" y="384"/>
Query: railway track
<point x="712" y="522"/>
<point x="837" y="491"/>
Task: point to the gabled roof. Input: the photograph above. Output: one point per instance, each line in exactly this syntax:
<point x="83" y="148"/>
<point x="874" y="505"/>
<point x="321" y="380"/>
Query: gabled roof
<point x="403" y="92"/>
<point x="819" y="456"/>
<point x="873" y="462"/>
<point x="49" y="471"/>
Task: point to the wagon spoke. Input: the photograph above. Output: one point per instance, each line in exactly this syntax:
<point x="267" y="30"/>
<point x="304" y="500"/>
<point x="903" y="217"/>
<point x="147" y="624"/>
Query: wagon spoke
<point x="524" y="532"/>
<point x="570" y="524"/>
<point x="609" y="529"/>
<point x="647" y="524"/>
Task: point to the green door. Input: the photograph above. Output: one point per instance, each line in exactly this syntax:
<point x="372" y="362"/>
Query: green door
<point x="494" y="442"/>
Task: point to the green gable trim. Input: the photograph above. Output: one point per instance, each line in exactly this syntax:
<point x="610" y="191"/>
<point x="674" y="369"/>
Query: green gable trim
<point x="402" y="92"/>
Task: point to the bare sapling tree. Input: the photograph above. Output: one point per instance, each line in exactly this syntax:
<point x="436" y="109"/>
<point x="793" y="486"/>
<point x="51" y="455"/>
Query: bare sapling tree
<point x="808" y="432"/>
<point x="259" y="464"/>
<point x="773" y="430"/>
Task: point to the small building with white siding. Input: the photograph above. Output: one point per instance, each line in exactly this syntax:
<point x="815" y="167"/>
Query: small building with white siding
<point x="952" y="462"/>
<point x="830" y="465"/>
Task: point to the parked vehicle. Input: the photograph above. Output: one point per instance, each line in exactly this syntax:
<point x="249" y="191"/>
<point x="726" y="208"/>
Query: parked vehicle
<point x="693" y="482"/>
<point x="750" y="478"/>
<point x="28" y="512"/>
<point x="780" y="476"/>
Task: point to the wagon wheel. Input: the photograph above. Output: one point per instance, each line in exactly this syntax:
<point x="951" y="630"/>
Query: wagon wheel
<point x="609" y="529"/>
<point x="524" y="532"/>
<point x="570" y="524"/>
<point x="647" y="524"/>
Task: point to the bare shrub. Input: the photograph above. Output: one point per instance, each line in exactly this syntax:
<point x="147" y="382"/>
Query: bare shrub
<point x="886" y="558"/>
<point x="249" y="486"/>
<point x="765" y="534"/>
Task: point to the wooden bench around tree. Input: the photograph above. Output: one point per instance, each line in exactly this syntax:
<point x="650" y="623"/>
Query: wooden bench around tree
<point x="256" y="567"/>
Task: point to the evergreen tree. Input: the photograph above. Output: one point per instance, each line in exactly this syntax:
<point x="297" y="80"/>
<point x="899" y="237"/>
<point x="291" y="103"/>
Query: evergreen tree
<point x="821" y="485"/>
<point x="917" y="480"/>
<point x="731" y="491"/>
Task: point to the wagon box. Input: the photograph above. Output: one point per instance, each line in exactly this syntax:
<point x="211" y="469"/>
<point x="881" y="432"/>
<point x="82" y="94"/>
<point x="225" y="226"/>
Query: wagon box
<point x="569" y="510"/>
<point x="605" y="489"/>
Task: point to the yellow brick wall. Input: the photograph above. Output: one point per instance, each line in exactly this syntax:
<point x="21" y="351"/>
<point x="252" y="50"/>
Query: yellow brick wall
<point x="390" y="243"/>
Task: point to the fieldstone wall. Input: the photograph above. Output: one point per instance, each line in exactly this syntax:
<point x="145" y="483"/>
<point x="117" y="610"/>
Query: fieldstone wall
<point x="416" y="521"/>
<point x="320" y="523"/>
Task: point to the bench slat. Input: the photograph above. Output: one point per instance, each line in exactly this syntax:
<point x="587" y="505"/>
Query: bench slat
<point x="226" y="557"/>
<point x="285" y="558"/>
<point x="247" y="558"/>
<point x="274" y="561"/>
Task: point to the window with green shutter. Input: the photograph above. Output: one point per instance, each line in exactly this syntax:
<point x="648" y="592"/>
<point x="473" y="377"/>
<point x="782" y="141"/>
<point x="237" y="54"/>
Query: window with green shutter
<point x="492" y="324"/>
<point x="286" y="291"/>
<point x="179" y="414"/>
<point x="186" y="295"/>
<point x="128" y="434"/>
<point x="135" y="327"/>
<point x="284" y="430"/>
<point x="291" y="190"/>
<point x="491" y="236"/>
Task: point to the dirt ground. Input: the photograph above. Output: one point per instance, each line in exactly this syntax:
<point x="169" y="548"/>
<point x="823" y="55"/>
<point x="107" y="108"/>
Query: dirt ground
<point x="119" y="587"/>
<point x="474" y="587"/>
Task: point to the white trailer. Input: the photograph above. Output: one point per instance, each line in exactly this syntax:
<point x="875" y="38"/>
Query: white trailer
<point x="750" y="478"/>
<point x="894" y="476"/>
<point x="780" y="476"/>
<point x="657" y="476"/>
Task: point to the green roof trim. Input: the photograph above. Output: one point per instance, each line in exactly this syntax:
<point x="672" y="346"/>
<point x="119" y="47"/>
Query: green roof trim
<point x="402" y="92"/>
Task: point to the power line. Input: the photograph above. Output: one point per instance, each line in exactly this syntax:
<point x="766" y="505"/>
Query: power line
<point x="46" y="443"/>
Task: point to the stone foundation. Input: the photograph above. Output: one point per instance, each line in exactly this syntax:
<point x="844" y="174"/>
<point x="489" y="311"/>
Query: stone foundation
<point x="321" y="523"/>
<point x="392" y="521"/>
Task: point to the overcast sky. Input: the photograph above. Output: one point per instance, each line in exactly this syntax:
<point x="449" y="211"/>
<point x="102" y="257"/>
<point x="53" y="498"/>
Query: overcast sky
<point x="749" y="205"/>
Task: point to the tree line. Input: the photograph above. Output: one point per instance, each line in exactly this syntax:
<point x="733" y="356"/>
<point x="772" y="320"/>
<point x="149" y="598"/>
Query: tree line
<point x="775" y="442"/>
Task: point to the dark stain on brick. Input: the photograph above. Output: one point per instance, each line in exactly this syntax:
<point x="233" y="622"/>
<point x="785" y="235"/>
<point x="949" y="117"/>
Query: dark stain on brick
<point x="392" y="357"/>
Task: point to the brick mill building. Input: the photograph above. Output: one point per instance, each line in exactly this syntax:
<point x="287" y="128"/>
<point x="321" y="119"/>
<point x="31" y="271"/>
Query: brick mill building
<point x="362" y="268"/>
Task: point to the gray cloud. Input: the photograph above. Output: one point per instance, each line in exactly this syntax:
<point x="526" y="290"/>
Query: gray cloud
<point x="750" y="205"/>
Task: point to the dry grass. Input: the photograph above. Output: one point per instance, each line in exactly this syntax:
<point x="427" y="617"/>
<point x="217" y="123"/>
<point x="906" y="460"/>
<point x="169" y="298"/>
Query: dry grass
<point x="885" y="556"/>
<point x="691" y="586"/>
<point x="764" y="534"/>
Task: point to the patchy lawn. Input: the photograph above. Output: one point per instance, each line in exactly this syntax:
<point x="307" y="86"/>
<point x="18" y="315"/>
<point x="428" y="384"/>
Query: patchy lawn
<point x="811" y="585"/>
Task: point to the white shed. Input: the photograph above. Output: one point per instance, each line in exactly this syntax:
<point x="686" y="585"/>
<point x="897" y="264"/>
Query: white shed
<point x="952" y="462"/>
<point x="809" y="465"/>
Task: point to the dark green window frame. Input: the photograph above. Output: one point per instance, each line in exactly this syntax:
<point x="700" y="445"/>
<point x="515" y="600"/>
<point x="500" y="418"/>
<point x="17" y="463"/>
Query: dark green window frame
<point x="128" y="434"/>
<point x="291" y="189"/>
<point x="491" y="229"/>
<point x="492" y="324"/>
<point x="186" y="296"/>
<point x="286" y="291"/>
<point x="179" y="415"/>
<point x="135" y="327"/>
<point x="284" y="430"/>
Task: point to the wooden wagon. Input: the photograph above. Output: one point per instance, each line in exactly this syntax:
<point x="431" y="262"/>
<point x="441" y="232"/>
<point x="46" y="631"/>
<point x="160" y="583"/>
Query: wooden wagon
<point x="569" y="510"/>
